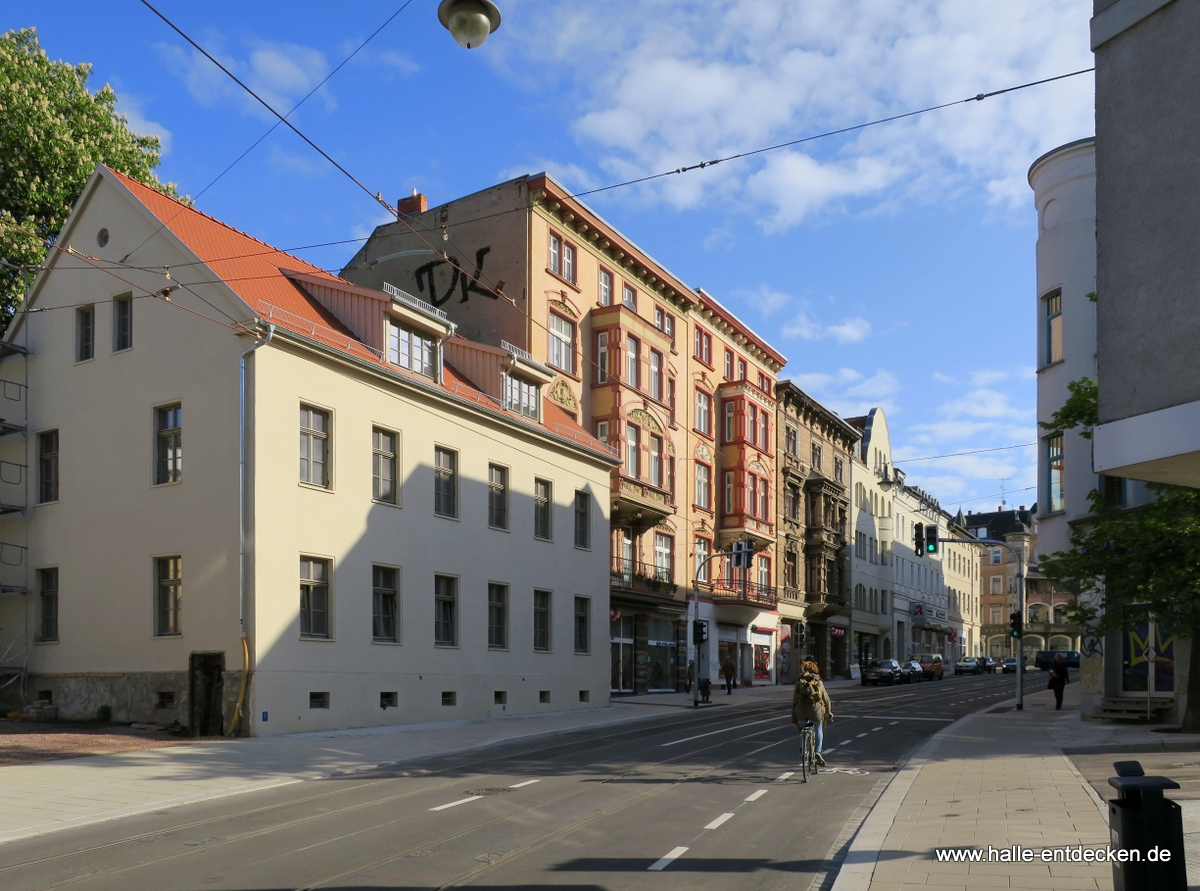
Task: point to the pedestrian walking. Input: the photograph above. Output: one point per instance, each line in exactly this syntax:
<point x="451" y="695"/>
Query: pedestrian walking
<point x="691" y="674"/>
<point x="1059" y="678"/>
<point x="730" y="671"/>
<point x="810" y="702"/>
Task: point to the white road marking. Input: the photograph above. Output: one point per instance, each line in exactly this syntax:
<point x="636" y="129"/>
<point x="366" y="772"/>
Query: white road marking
<point x="456" y="803"/>
<point x="845" y="742"/>
<point x="759" y="794"/>
<point x="902" y="718"/>
<point x="666" y="861"/>
<point x="675" y="742"/>
<point x="860" y="736"/>
<point x="526" y="783"/>
<point x="873" y="729"/>
<point x="784" y="776"/>
<point x="893" y="723"/>
<point x="719" y="822"/>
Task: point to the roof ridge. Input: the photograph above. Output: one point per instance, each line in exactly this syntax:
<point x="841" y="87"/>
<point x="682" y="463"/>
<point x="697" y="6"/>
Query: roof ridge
<point x="129" y="180"/>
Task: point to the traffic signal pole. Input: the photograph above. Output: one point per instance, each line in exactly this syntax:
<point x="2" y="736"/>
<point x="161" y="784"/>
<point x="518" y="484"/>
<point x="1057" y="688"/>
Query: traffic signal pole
<point x="696" y="610"/>
<point x="1020" y="560"/>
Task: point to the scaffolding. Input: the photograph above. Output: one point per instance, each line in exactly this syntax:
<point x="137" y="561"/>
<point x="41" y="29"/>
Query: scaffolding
<point x="14" y="509"/>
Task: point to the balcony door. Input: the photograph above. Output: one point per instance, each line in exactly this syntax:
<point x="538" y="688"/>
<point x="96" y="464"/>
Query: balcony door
<point x="621" y="653"/>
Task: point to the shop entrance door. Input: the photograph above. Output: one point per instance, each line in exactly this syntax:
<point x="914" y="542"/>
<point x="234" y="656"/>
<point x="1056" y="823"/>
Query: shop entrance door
<point x="621" y="653"/>
<point x="1148" y="660"/>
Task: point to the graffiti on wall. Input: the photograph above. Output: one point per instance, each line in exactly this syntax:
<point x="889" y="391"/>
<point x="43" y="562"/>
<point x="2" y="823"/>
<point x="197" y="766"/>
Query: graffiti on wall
<point x="460" y="280"/>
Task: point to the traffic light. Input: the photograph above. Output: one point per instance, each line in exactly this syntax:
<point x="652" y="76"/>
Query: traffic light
<point x="699" y="632"/>
<point x="919" y="538"/>
<point x="742" y="555"/>
<point x="1017" y="623"/>
<point x="931" y="540"/>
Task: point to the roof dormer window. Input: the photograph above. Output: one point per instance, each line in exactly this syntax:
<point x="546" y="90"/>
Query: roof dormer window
<point x="411" y="349"/>
<point x="522" y="397"/>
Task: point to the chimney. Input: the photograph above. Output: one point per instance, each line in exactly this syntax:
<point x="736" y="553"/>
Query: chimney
<point x="413" y="205"/>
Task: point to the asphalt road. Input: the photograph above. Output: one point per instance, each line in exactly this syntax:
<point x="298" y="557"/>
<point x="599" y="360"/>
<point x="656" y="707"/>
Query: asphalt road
<point x="710" y="799"/>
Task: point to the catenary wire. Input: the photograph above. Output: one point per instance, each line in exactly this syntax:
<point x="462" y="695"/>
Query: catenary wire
<point x="1024" y="445"/>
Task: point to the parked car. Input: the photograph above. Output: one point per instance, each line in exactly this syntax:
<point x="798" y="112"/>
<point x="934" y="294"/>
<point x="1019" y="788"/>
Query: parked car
<point x="881" y="671"/>
<point x="1010" y="665"/>
<point x="989" y="664"/>
<point x="932" y="666"/>
<point x="910" y="672"/>
<point x="1045" y="658"/>
<point x="968" y="665"/>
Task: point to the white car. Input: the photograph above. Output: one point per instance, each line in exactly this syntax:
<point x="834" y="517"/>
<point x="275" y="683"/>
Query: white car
<point x="969" y="665"/>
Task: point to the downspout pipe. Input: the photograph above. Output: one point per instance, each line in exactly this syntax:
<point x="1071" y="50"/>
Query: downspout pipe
<point x="241" y="700"/>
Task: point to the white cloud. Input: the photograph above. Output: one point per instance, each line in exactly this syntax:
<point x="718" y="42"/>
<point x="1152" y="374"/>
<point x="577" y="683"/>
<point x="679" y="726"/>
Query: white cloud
<point x="849" y="392"/>
<point x="661" y="84"/>
<point x="131" y="108"/>
<point x="805" y="327"/>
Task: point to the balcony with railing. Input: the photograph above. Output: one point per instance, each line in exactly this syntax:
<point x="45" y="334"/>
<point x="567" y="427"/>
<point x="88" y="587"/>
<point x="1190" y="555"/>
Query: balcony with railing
<point x="733" y="590"/>
<point x="646" y="578"/>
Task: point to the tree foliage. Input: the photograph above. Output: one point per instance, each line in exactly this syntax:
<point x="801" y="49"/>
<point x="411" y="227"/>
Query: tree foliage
<point x="53" y="133"/>
<point x="1082" y="409"/>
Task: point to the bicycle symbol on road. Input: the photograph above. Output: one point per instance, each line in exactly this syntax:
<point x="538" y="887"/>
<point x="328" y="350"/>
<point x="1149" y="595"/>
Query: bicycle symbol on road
<point x="851" y="771"/>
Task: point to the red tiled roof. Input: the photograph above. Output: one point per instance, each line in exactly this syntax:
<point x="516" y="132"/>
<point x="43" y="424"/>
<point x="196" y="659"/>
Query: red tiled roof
<point x="253" y="270"/>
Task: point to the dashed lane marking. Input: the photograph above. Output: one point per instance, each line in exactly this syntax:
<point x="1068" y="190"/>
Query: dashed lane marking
<point x="676" y="742"/>
<point x="784" y="776"/>
<point x="443" y="807"/>
<point x="873" y="729"/>
<point x="860" y="736"/>
<point x="526" y="783"/>
<point x="893" y="723"/>
<point x="759" y="794"/>
<point x="662" y="864"/>
<point x="719" y="822"/>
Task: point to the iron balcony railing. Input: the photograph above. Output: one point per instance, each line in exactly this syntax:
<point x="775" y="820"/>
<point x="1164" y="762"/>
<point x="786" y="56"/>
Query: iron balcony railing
<point x="637" y="576"/>
<point x="729" y="589"/>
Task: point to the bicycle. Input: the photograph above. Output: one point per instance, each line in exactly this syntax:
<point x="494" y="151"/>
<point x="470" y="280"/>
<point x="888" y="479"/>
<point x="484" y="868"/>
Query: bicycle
<point x="808" y="750"/>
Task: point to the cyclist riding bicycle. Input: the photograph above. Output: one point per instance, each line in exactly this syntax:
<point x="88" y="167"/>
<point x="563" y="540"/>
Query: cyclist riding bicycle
<point x="810" y="702"/>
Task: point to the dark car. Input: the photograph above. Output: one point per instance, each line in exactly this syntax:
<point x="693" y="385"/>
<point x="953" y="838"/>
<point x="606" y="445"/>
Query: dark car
<point x="968" y="665"/>
<point x="1045" y="658"/>
<point x="911" y="671"/>
<point x="1010" y="665"/>
<point x="881" y="671"/>
<point x="989" y="664"/>
<point x="931" y="665"/>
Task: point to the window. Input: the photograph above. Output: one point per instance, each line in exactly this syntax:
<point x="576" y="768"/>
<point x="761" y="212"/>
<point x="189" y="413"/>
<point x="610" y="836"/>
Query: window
<point x="521" y="396"/>
<point x="568" y="263"/>
<point x="389" y="699"/>
<point x="583" y="520"/>
<point x="602" y="431"/>
<point x="741" y="369"/>
<point x="656" y="375"/>
<point x="497" y="497"/>
<point x="995" y="556"/>
<point x="702" y="487"/>
<point x="562" y="344"/>
<point x="445" y="611"/>
<point x="729" y="491"/>
<point x="318" y="700"/>
<point x="764" y="571"/>
<point x="995" y="585"/>
<point x="995" y="615"/>
<point x="764" y="383"/>
<point x="1112" y="488"/>
<point x="702" y="346"/>
<point x="656" y="448"/>
<point x="450" y="697"/>
<point x="764" y="431"/>
<point x="632" y="348"/>
<point x="629" y="297"/>
<point x="314" y="597"/>
<point x="384" y="595"/>
<point x="669" y="326"/>
<point x="541" y="621"/>
<point x="543" y="500"/>
<point x="48" y="467"/>
<point x="632" y="443"/>
<point x="671" y="398"/>
<point x="752" y="425"/>
<point x="751" y="493"/>
<point x="1054" y="342"/>
<point x="168" y="465"/>
<point x="85" y="333"/>
<point x="445" y="482"/>
<point x="792" y="502"/>
<point x="606" y="287"/>
<point x="729" y="365"/>
<point x="497" y="617"/>
<point x="602" y="357"/>
<point x="703" y="547"/>
<point x="555" y="254"/>
<point x="763" y="502"/>
<point x="703" y="412"/>
<point x="314" y="446"/>
<point x="664" y="547"/>
<point x="48" y="604"/>
<point x="839" y="470"/>
<point x="383" y="465"/>
<point x="122" y="323"/>
<point x="729" y="422"/>
<point x="1054" y="473"/>
<point x="410" y="349"/>
<point x="671" y="475"/>
<point x="583" y="637"/>
<point x="791" y="441"/>
<point x="791" y="569"/>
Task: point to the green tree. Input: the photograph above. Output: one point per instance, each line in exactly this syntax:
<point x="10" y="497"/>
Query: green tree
<point x="1137" y="562"/>
<point x="53" y="133"/>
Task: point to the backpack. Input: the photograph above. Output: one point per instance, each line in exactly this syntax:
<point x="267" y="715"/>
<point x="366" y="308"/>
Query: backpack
<point x="810" y="686"/>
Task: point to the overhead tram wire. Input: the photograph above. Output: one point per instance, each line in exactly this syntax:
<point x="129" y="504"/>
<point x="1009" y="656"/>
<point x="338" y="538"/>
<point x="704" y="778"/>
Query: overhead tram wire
<point x="1023" y="445"/>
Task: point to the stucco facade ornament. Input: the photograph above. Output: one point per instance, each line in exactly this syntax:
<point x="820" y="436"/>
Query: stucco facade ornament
<point x="564" y="306"/>
<point x="758" y="467"/>
<point x="703" y="453"/>
<point x="561" y="393"/>
<point x="643" y="417"/>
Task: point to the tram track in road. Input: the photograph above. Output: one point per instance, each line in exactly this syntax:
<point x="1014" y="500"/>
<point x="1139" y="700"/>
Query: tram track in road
<point x="609" y="741"/>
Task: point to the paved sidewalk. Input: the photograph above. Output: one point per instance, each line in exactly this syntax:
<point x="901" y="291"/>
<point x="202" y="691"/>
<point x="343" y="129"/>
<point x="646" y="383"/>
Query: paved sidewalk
<point x="45" y="797"/>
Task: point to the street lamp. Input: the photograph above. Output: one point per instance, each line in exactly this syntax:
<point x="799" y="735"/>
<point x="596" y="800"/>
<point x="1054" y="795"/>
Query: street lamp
<point x="469" y="21"/>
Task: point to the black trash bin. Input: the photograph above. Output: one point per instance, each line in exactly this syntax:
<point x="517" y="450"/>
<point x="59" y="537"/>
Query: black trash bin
<point x="705" y="689"/>
<point x="1141" y="819"/>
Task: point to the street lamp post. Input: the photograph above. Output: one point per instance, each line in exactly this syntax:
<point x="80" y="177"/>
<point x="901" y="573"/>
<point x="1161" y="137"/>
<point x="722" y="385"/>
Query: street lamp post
<point x="469" y="21"/>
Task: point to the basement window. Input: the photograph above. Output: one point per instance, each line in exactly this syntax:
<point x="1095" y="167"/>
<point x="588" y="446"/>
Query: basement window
<point x="389" y="700"/>
<point x="164" y="699"/>
<point x="585" y="695"/>
<point x="449" y="697"/>
<point x="46" y="696"/>
<point x="544" y="696"/>
<point x="318" y="700"/>
<point x="501" y="697"/>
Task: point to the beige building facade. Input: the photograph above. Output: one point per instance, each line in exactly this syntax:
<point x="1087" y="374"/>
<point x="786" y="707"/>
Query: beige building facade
<point x="424" y="533"/>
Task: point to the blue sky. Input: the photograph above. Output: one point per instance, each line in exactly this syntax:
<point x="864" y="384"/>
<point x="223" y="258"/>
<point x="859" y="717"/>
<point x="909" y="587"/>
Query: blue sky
<point x="893" y="267"/>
